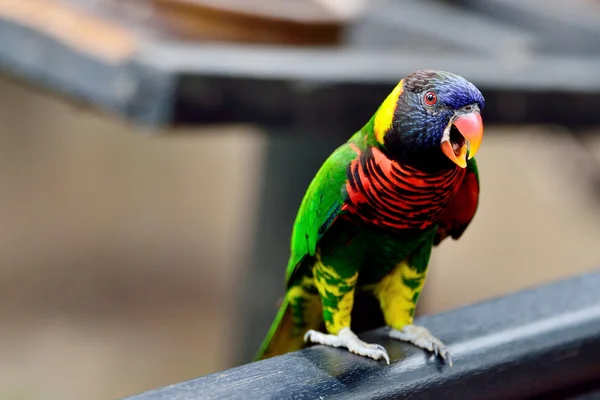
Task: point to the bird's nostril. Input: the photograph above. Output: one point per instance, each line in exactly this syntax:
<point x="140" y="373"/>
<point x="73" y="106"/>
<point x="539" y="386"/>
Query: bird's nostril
<point x="468" y="108"/>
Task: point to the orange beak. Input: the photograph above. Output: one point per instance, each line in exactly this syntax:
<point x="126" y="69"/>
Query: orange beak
<point x="470" y="127"/>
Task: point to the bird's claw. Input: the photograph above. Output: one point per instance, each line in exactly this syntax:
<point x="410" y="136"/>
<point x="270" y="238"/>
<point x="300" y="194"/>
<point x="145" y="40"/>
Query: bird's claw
<point x="346" y="338"/>
<point x="422" y="338"/>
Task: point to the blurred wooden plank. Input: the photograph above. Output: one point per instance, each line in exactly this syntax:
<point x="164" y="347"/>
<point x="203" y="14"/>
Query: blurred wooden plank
<point x="73" y="27"/>
<point x="305" y="11"/>
<point x="145" y="78"/>
<point x="290" y="22"/>
<point x="459" y="27"/>
<point x="568" y="27"/>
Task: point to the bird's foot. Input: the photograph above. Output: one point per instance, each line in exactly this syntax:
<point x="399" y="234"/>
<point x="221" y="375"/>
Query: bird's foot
<point x="422" y="338"/>
<point x="348" y="339"/>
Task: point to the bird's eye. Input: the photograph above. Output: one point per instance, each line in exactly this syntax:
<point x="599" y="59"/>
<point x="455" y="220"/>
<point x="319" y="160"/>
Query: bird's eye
<point x="430" y="98"/>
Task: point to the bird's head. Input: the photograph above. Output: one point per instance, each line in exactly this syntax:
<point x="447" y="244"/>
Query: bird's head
<point x="431" y="120"/>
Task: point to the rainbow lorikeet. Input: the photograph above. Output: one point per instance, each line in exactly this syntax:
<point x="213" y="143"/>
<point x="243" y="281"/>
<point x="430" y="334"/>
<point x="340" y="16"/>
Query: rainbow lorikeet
<point x="372" y="214"/>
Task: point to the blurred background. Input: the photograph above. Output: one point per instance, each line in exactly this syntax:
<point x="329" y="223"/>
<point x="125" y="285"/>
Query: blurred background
<point x="153" y="154"/>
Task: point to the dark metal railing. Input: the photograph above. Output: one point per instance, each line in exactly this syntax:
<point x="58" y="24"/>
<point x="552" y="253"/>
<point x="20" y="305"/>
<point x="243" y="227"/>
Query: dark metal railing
<point x="543" y="342"/>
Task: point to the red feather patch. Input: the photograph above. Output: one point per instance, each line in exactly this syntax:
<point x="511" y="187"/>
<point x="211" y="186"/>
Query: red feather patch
<point x="385" y="193"/>
<point x="461" y="211"/>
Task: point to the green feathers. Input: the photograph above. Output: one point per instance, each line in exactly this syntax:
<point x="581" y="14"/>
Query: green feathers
<point x="321" y="205"/>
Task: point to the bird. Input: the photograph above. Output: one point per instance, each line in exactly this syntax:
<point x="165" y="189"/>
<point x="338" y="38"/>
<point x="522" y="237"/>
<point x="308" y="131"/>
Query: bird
<point x="364" y="232"/>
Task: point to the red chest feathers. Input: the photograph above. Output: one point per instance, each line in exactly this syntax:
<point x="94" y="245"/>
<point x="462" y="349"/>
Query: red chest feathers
<point x="384" y="193"/>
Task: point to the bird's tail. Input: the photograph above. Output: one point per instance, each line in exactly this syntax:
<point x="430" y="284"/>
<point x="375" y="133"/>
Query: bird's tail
<point x="298" y="312"/>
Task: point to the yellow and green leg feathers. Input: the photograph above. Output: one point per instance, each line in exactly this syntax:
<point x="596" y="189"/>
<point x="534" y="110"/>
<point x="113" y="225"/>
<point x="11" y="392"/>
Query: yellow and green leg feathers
<point x="398" y="294"/>
<point x="318" y="305"/>
<point x="337" y="296"/>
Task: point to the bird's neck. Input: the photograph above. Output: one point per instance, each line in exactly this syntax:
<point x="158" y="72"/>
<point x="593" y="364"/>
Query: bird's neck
<point x="422" y="156"/>
<point x="429" y="160"/>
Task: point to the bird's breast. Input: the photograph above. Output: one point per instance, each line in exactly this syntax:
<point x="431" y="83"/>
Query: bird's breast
<point x="385" y="193"/>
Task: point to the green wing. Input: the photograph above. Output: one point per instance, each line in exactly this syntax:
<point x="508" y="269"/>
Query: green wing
<point x="321" y="205"/>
